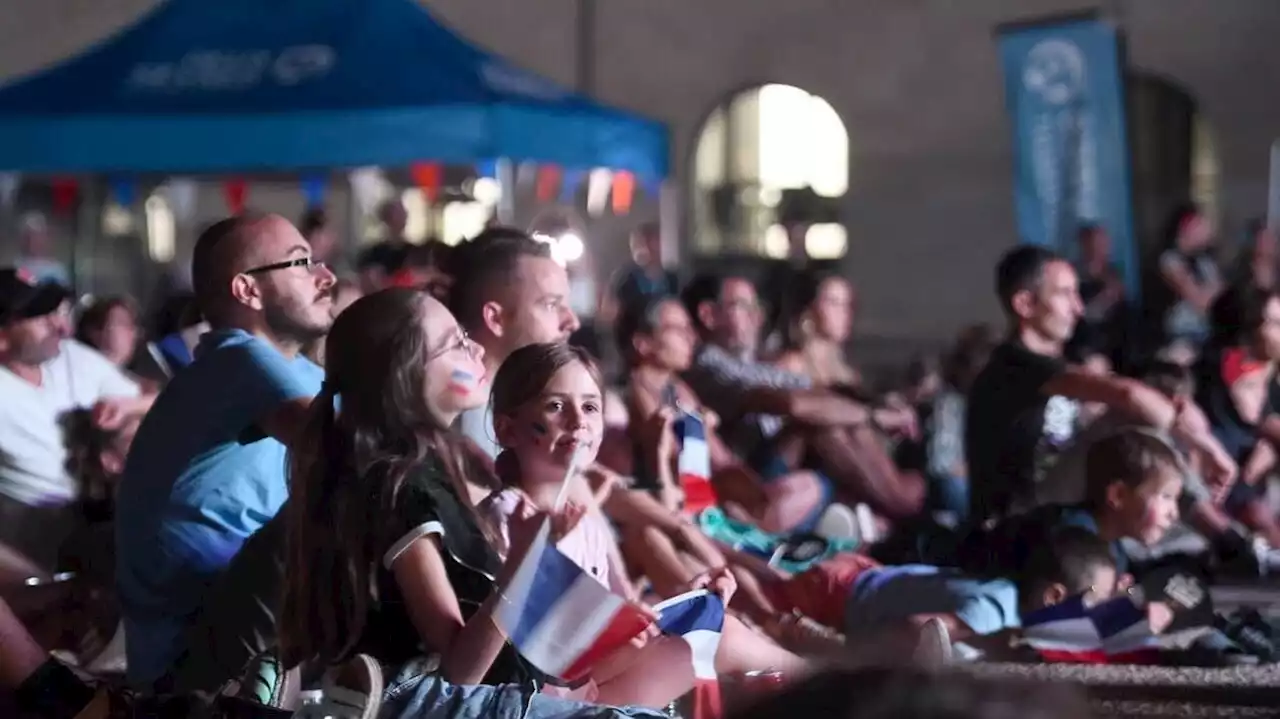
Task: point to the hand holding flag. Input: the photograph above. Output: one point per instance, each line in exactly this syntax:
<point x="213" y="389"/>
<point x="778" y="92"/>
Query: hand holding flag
<point x="1117" y="631"/>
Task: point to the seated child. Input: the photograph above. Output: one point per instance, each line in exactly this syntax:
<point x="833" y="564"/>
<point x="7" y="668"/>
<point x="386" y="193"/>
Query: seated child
<point x="547" y="408"/>
<point x="1133" y="482"/>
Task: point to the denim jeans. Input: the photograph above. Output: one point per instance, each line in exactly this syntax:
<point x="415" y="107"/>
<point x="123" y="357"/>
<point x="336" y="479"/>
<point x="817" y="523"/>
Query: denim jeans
<point x="413" y="694"/>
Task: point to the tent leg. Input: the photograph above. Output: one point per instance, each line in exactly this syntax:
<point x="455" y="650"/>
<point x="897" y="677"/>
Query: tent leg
<point x="507" y="186"/>
<point x="669" y="223"/>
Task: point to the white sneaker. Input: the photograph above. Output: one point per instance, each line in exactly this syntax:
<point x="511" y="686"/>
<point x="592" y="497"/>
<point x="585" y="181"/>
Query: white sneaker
<point x="351" y="691"/>
<point x="868" y="525"/>
<point x="838" y="522"/>
<point x="933" y="647"/>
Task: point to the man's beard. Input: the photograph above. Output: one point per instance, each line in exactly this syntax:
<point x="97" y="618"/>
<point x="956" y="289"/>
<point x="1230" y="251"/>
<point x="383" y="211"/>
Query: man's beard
<point x="288" y="324"/>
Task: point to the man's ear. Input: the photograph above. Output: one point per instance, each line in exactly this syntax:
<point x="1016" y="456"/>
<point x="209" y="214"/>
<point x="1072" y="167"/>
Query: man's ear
<point x="1054" y="594"/>
<point x="1116" y="493"/>
<point x="1023" y="303"/>
<point x="707" y="315"/>
<point x="245" y="290"/>
<point x="491" y="317"/>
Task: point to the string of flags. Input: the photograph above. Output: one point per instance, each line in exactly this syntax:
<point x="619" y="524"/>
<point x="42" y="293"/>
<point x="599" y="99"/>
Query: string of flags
<point x="605" y="190"/>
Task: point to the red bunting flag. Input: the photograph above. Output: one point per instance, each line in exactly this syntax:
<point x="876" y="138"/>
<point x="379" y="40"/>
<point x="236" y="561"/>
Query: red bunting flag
<point x="624" y="190"/>
<point x="235" y="191"/>
<point x="65" y="192"/>
<point x="427" y="176"/>
<point x="548" y="182"/>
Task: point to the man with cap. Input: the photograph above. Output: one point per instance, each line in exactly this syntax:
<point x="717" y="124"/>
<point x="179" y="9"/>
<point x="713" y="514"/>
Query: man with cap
<point x="43" y="375"/>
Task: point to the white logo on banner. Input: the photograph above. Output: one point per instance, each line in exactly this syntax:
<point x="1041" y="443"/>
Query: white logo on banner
<point x="1054" y="71"/>
<point x="1063" y="137"/>
<point x="223" y="70"/>
<point x="506" y="79"/>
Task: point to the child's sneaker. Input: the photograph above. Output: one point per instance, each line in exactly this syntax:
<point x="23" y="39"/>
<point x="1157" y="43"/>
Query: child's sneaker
<point x="1249" y="629"/>
<point x="351" y="691"/>
<point x="839" y="522"/>
<point x="933" y="647"/>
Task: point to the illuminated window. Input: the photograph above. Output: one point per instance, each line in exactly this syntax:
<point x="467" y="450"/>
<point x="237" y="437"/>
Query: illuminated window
<point x="162" y="228"/>
<point x="752" y="154"/>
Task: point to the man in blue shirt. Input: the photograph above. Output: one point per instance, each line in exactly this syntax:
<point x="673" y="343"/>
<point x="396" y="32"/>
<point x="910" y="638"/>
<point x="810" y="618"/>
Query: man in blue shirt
<point x="208" y="465"/>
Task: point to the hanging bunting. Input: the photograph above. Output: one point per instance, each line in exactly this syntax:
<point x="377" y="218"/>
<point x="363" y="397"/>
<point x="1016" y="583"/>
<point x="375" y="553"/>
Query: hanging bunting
<point x="235" y="190"/>
<point x="547" y="182"/>
<point x="487" y="168"/>
<point x="624" y="190"/>
<point x="313" y="189"/>
<point x="181" y="193"/>
<point x="569" y="184"/>
<point x="526" y="173"/>
<point x="427" y="176"/>
<point x="9" y="184"/>
<point x="124" y="191"/>
<point x="65" y="190"/>
<point x="598" y="190"/>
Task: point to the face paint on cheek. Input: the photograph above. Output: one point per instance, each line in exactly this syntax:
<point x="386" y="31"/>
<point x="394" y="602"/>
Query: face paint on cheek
<point x="539" y="429"/>
<point x="462" y="382"/>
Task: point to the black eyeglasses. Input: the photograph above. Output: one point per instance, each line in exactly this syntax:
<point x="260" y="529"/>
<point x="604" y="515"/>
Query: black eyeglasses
<point x="310" y="263"/>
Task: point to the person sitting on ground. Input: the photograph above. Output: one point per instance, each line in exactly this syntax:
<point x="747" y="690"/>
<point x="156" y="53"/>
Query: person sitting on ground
<point x="1134" y="479"/>
<point x="774" y="418"/>
<point x="44" y="375"/>
<point x="1024" y="405"/>
<point x="1235" y="381"/>
<point x="110" y="325"/>
<point x="508" y="292"/>
<point x="658" y="340"/>
<point x="207" y="468"/>
<point x="384" y="555"/>
<point x="824" y="306"/>
<point x="547" y="414"/>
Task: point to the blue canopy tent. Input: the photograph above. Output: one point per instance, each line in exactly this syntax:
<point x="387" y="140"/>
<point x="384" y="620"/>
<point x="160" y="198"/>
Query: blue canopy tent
<point x="238" y="85"/>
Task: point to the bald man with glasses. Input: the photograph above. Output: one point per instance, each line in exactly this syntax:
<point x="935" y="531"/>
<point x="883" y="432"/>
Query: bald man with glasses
<point x="207" y="468"/>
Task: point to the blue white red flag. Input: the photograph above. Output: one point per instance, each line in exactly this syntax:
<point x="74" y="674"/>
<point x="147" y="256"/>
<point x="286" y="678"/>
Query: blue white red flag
<point x="698" y="618"/>
<point x="561" y="619"/>
<point x="694" y="465"/>
<point x="1113" y="632"/>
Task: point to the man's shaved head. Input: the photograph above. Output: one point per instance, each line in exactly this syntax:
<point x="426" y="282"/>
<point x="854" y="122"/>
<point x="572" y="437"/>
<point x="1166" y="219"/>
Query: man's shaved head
<point x="286" y="298"/>
<point x="222" y="251"/>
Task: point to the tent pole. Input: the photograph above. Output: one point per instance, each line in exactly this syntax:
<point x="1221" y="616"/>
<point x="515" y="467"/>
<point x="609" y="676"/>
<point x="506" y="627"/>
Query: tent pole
<point x="507" y="186"/>
<point x="669" y="223"/>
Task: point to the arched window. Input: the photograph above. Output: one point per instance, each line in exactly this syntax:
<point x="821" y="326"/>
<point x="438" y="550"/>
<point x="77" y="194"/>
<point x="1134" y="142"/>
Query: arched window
<point x="771" y="157"/>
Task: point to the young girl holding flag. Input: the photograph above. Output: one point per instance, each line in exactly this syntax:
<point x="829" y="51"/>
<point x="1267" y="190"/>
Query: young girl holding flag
<point x="547" y="408"/>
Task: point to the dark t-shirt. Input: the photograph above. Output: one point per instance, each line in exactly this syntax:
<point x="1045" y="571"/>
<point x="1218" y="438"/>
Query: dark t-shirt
<point x="239" y="618"/>
<point x="1013" y="431"/>
<point x="1006" y="549"/>
<point x="428" y="506"/>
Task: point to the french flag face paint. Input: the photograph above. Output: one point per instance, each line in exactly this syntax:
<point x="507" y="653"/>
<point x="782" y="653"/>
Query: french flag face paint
<point x="462" y="382"/>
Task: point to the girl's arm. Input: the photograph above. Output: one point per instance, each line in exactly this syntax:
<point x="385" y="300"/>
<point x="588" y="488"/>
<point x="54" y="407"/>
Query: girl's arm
<point x="467" y="648"/>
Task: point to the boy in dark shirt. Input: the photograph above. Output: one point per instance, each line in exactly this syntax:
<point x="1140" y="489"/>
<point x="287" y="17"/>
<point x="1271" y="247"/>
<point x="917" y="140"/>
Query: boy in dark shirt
<point x="1133" y="481"/>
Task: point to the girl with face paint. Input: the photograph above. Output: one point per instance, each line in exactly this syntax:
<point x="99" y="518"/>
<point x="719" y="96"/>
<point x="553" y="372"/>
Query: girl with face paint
<point x="547" y="409"/>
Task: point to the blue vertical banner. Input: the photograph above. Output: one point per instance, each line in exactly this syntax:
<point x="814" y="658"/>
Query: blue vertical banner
<point x="1064" y="87"/>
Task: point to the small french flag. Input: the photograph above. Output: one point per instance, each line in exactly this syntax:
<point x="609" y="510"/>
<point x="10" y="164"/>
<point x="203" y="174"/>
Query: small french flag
<point x="698" y="618"/>
<point x="694" y="465"/>
<point x="561" y="619"/>
<point x="1114" y="632"/>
